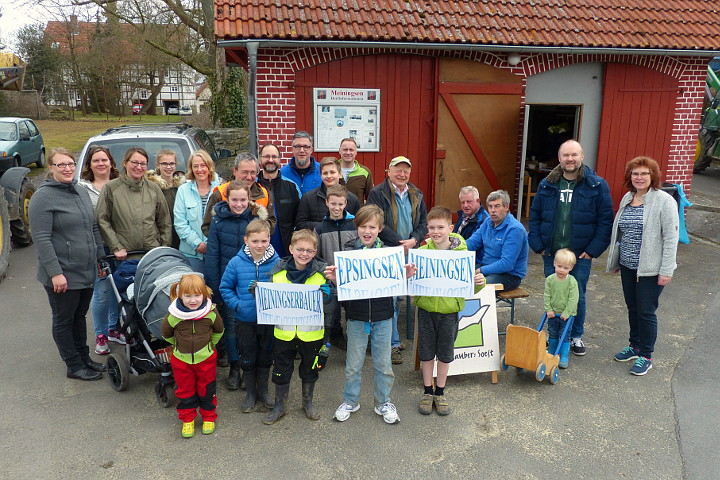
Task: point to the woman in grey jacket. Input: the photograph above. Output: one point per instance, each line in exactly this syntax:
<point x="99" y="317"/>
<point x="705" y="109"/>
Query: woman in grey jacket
<point x="68" y="245"/>
<point x="643" y="247"/>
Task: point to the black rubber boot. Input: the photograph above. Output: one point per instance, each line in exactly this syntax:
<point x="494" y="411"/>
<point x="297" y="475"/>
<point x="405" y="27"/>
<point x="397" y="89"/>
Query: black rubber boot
<point x="233" y="380"/>
<point x="222" y="357"/>
<point x="308" y="388"/>
<point x="279" y="409"/>
<point x="263" y="375"/>
<point x="250" y="391"/>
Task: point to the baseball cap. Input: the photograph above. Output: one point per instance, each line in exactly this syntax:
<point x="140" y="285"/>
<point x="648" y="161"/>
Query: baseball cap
<point x="397" y="160"/>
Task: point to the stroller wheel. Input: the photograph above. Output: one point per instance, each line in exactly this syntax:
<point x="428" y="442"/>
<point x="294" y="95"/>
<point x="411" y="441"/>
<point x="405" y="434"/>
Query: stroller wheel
<point x="554" y="375"/>
<point x="165" y="394"/>
<point x="118" y="372"/>
<point x="503" y="365"/>
<point x="540" y="372"/>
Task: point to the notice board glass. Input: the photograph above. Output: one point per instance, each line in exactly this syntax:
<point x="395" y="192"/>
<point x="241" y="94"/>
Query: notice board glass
<point x="346" y="113"/>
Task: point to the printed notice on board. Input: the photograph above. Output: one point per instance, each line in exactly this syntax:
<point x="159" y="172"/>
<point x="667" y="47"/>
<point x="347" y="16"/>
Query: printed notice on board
<point x="347" y="113"/>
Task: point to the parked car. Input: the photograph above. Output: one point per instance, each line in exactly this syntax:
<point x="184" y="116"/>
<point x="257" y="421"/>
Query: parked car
<point x="137" y="108"/>
<point x="186" y="110"/>
<point x="173" y="111"/>
<point x="20" y="143"/>
<point x="182" y="138"/>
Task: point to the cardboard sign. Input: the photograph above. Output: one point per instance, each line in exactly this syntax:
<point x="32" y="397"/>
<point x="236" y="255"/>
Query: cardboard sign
<point x="477" y="348"/>
<point x="442" y="273"/>
<point x="288" y="304"/>
<point x="371" y="273"/>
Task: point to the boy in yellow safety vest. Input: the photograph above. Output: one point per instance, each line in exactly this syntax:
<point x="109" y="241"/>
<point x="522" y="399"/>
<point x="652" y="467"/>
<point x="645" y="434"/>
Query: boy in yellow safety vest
<point x="306" y="340"/>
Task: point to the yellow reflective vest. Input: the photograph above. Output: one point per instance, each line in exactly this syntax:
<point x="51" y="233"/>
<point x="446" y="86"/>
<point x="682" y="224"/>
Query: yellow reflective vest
<point x="306" y="333"/>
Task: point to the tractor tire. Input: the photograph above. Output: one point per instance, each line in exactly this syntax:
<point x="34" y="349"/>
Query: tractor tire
<point x="20" y="228"/>
<point x="4" y="236"/>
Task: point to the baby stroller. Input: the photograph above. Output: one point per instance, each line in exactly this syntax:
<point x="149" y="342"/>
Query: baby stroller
<point x="142" y="308"/>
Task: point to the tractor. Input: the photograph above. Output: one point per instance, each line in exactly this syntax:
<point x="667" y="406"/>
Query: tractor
<point x="15" y="193"/>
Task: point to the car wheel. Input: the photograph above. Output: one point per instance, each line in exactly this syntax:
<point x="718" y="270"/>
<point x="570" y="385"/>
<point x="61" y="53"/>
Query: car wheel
<point x="41" y="159"/>
<point x="16" y="161"/>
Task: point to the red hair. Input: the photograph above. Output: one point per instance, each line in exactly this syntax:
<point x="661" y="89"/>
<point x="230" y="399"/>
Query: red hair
<point x="642" y="162"/>
<point x="191" y="283"/>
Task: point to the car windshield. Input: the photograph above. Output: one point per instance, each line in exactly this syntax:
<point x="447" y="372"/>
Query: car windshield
<point x="8" y="131"/>
<point x="151" y="145"/>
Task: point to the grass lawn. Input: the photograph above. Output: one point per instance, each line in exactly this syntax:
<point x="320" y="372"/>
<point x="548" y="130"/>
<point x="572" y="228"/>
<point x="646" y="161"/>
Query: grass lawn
<point x="73" y="134"/>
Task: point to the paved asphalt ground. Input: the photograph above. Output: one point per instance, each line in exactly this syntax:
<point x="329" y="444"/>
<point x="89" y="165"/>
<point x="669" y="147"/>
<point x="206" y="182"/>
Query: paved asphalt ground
<point x="597" y="422"/>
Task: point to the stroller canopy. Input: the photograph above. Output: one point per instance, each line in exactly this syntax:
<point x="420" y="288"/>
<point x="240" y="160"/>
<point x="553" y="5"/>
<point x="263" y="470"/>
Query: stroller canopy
<point x="156" y="272"/>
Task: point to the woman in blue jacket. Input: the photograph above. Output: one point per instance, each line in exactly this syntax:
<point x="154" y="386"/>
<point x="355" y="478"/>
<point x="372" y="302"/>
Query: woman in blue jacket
<point x="189" y="209"/>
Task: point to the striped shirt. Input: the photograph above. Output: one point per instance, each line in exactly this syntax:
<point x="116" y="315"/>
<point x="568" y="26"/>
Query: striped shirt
<point x="631" y="230"/>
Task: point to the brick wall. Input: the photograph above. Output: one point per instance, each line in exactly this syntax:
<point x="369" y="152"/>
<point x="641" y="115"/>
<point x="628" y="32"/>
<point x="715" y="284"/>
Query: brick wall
<point x="276" y="90"/>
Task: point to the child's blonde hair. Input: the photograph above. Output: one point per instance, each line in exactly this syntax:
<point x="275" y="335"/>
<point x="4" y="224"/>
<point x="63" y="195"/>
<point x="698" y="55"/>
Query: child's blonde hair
<point x="192" y="283"/>
<point x="369" y="213"/>
<point x="565" y="257"/>
<point x="304" y="235"/>
<point x="440" y="213"/>
<point x="237" y="185"/>
<point x="257" y="226"/>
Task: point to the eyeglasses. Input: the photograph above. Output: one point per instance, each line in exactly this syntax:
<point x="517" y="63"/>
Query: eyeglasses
<point x="63" y="166"/>
<point x="640" y="174"/>
<point x="302" y="147"/>
<point x="138" y="164"/>
<point x="166" y="164"/>
<point x="304" y="250"/>
<point x="268" y="157"/>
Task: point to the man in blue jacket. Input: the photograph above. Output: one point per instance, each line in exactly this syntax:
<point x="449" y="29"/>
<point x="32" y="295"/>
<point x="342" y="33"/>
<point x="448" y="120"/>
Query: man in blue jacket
<point x="302" y="168"/>
<point x="572" y="209"/>
<point x="501" y="244"/>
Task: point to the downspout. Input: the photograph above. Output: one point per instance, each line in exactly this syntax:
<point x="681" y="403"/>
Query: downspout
<point x="252" y="49"/>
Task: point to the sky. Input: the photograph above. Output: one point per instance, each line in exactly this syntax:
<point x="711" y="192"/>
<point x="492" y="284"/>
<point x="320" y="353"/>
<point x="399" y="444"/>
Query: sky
<point x="15" y="15"/>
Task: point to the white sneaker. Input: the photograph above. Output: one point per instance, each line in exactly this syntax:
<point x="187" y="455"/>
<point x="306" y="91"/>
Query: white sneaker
<point x="388" y="412"/>
<point x="344" y="410"/>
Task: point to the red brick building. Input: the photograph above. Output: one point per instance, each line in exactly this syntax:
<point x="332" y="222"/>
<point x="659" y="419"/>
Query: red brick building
<point x="479" y="92"/>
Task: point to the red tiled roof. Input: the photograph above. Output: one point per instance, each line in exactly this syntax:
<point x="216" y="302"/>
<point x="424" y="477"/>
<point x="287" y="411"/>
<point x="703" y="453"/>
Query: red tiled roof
<point x="666" y="24"/>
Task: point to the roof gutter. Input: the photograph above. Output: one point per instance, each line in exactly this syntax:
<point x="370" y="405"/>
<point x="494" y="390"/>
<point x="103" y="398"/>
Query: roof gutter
<point x="252" y="48"/>
<point x="273" y="43"/>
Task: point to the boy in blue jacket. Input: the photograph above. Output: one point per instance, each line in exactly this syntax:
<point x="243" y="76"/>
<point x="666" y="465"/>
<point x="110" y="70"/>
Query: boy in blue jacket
<point x="252" y="264"/>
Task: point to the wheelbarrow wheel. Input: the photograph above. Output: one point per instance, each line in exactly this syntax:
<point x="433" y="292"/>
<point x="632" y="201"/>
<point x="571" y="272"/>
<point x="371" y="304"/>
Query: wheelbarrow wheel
<point x="503" y="365"/>
<point x="554" y="375"/>
<point x="118" y="372"/>
<point x="540" y="372"/>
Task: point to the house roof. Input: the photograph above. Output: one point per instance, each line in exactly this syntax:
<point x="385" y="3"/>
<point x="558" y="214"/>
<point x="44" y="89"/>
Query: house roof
<point x="645" y="24"/>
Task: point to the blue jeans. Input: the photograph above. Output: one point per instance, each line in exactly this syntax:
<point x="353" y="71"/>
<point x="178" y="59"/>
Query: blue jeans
<point x="509" y="282"/>
<point x="379" y="333"/>
<point x="395" y="339"/>
<point x="642" y="297"/>
<point x="556" y="327"/>
<point x="581" y="272"/>
<point x="230" y="335"/>
<point x="104" y="307"/>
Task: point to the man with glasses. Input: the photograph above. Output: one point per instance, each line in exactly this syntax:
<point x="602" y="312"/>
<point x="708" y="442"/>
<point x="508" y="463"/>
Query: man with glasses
<point x="572" y="209"/>
<point x="284" y="195"/>
<point x="245" y="170"/>
<point x="302" y="168"/>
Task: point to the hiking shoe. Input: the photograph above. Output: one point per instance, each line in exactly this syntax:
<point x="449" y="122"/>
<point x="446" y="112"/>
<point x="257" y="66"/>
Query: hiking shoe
<point x="101" y="345"/>
<point x="208" y="428"/>
<point x="426" y="403"/>
<point x="188" y="429"/>
<point x="117" y="337"/>
<point x="344" y="410"/>
<point x="388" y="412"/>
<point x="628" y="353"/>
<point x="396" y="356"/>
<point x="577" y="346"/>
<point x="641" y="367"/>
<point x="441" y="405"/>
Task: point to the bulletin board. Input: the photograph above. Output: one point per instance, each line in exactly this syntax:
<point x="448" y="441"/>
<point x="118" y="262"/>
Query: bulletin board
<point x="346" y="113"/>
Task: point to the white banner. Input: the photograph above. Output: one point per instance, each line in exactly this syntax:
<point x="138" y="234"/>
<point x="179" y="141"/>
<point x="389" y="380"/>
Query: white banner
<point x="477" y="348"/>
<point x="371" y="273"/>
<point x="288" y="304"/>
<point x="442" y="273"/>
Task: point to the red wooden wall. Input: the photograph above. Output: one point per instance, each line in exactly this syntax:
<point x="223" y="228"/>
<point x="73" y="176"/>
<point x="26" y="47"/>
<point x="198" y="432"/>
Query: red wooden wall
<point x="407" y="103"/>
<point x="637" y="119"/>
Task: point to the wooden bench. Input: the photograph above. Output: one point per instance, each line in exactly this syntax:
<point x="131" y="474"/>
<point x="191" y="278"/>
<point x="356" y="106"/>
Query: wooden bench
<point x="508" y="297"/>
